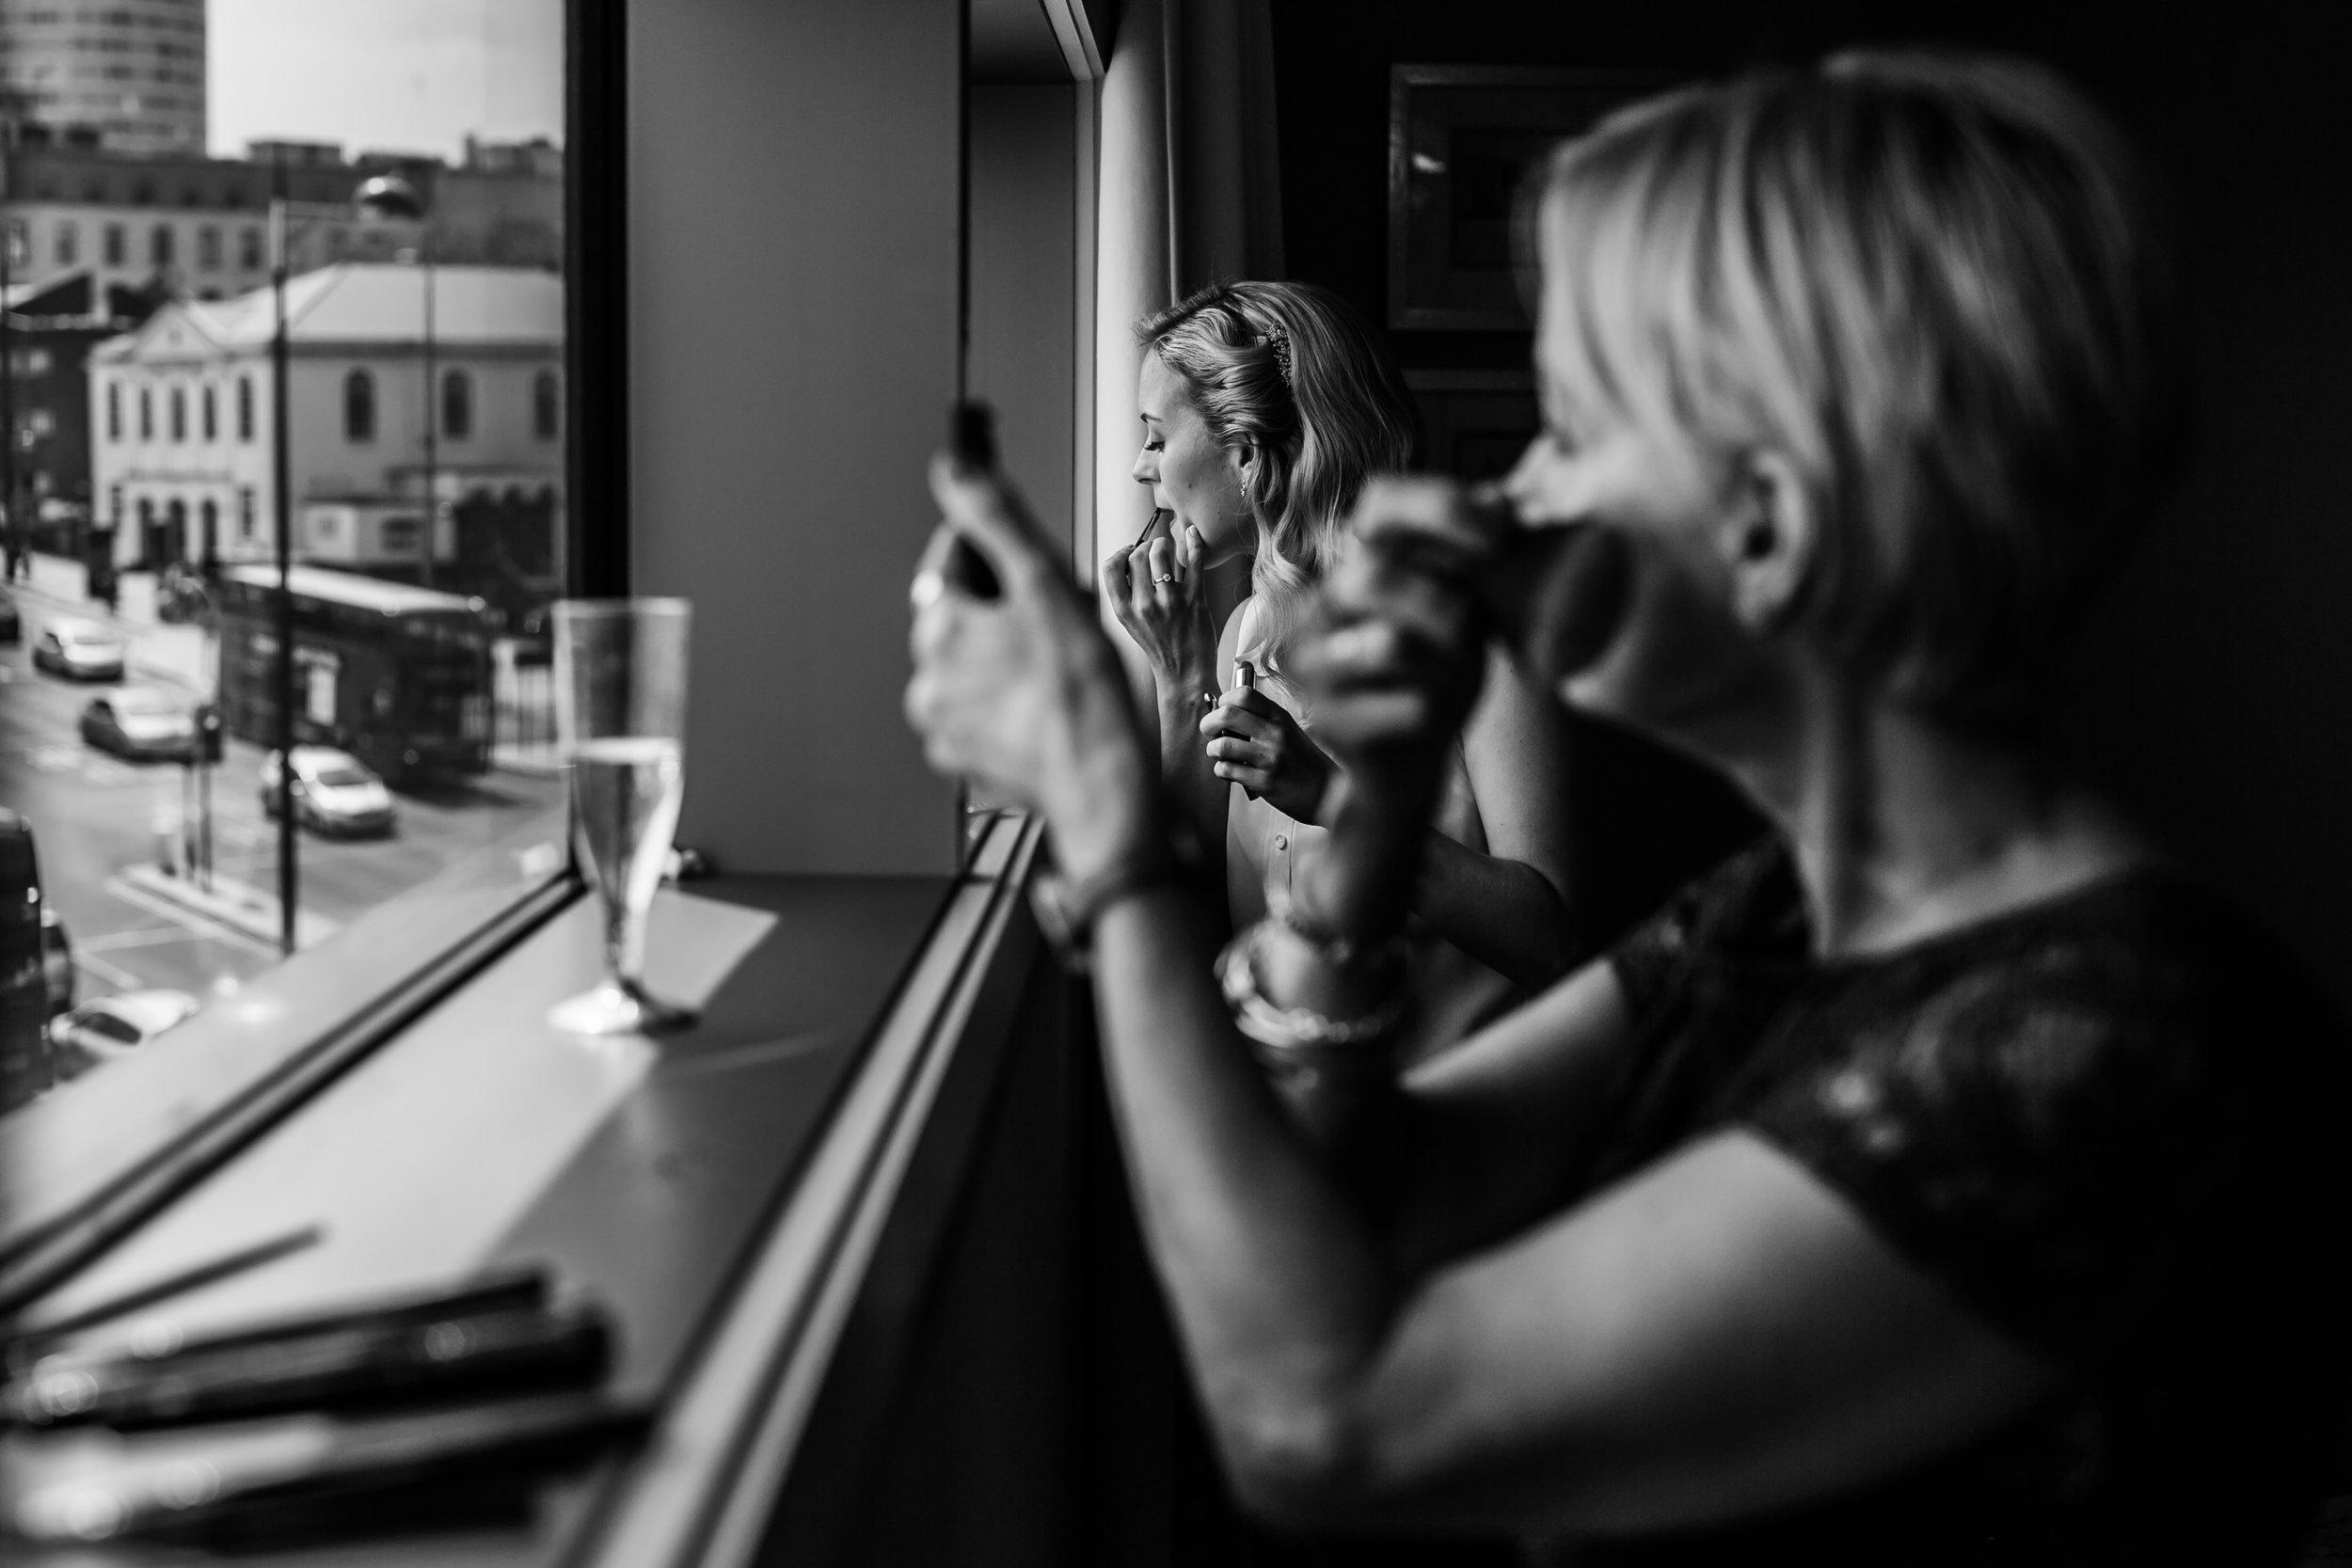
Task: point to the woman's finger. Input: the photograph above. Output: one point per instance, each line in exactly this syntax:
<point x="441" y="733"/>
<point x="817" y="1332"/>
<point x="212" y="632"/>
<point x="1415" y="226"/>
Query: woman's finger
<point x="985" y="509"/>
<point x="1437" y="511"/>
<point x="1163" y="558"/>
<point x="1139" y="581"/>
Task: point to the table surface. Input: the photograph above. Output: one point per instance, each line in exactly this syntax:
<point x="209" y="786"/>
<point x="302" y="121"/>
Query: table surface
<point x="639" y="1171"/>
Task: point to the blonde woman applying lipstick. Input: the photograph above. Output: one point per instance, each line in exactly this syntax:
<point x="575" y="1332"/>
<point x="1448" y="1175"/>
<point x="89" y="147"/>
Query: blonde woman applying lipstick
<point x="1266" y="408"/>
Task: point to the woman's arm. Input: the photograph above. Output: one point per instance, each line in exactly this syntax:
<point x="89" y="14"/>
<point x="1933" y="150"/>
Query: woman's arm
<point x="1509" y="907"/>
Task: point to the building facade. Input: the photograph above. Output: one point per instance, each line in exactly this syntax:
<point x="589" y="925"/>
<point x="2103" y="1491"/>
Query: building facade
<point x="51" y="331"/>
<point x="199" y="227"/>
<point x="125" y="75"/>
<point x="180" y="419"/>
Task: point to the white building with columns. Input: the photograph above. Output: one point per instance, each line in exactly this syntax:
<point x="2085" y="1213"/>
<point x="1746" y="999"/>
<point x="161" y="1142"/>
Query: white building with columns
<point x="181" y="452"/>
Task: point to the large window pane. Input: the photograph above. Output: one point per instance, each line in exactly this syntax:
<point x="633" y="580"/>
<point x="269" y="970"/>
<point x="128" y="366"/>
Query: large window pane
<point x="420" y="170"/>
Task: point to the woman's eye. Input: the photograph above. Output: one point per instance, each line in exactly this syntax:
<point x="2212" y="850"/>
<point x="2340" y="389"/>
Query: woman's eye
<point x="1153" y="446"/>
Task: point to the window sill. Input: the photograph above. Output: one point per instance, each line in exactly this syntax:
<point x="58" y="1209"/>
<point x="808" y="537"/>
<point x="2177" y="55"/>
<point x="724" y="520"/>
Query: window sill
<point x="724" y="1193"/>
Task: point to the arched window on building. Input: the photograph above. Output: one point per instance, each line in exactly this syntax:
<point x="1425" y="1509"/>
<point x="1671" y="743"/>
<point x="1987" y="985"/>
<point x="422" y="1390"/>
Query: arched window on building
<point x="546" y="406"/>
<point x="456" y="406"/>
<point x="245" y="408"/>
<point x="147" y="413"/>
<point x="208" y="540"/>
<point x="211" y="415"/>
<point x="179" y="413"/>
<point x="114" y="411"/>
<point x="359" y="407"/>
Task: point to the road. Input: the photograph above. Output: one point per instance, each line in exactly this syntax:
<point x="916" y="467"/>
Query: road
<point x="95" y="815"/>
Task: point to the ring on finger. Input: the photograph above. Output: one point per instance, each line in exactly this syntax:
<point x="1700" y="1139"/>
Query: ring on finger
<point x="1171" y="577"/>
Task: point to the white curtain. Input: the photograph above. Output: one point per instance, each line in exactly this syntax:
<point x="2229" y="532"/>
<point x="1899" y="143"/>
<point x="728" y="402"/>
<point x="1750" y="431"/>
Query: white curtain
<point x="1189" y="192"/>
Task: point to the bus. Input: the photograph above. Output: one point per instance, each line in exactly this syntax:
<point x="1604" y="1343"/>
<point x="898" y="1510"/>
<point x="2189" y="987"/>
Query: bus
<point x="398" y="676"/>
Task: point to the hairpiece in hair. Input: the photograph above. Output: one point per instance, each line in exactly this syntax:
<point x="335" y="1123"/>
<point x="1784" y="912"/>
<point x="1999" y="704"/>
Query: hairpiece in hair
<point x="1279" y="341"/>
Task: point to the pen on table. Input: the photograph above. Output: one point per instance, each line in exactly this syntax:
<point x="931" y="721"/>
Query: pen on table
<point x="252" y="1255"/>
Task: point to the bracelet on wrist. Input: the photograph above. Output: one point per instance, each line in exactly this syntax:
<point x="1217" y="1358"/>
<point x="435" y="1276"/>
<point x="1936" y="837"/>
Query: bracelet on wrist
<point x="1067" y="907"/>
<point x="1292" y="1040"/>
<point x="1347" y="955"/>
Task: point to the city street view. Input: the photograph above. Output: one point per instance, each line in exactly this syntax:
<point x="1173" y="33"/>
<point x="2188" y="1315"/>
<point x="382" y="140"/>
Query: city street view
<point x="115" y="833"/>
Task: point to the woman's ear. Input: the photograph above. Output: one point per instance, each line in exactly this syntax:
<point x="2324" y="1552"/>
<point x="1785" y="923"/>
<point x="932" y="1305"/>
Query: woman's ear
<point x="1769" y="536"/>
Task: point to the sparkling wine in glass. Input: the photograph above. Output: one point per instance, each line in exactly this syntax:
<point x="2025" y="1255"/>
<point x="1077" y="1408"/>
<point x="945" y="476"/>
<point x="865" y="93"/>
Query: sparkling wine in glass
<point x="620" y="722"/>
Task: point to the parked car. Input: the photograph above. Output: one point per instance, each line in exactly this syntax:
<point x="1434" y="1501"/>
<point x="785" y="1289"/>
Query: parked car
<point x="139" y="722"/>
<point x="11" y="620"/>
<point x="115" y="1026"/>
<point x="57" y="961"/>
<point x="82" y="649"/>
<point x="334" y="792"/>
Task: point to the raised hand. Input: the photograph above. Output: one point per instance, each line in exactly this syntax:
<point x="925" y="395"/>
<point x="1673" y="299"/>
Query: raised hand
<point x="1394" y="663"/>
<point x="1254" y="742"/>
<point x="1155" y="589"/>
<point x="1022" y="692"/>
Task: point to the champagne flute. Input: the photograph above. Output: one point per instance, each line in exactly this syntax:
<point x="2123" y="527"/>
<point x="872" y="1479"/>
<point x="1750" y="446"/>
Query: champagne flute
<point x="620" y="724"/>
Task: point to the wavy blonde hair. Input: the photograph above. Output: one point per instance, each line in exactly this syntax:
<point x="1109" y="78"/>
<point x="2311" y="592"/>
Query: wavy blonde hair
<point x="1290" y="372"/>
<point x="1937" y="281"/>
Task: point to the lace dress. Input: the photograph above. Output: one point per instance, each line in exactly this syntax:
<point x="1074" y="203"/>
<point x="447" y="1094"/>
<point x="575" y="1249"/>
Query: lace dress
<point x="2115" y="1127"/>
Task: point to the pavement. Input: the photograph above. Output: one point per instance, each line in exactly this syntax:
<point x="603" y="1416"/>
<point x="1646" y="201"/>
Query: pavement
<point x="223" y="901"/>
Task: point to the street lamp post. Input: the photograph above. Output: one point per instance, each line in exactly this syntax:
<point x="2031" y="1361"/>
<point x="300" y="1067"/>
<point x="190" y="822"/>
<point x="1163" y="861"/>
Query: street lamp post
<point x="373" y="196"/>
<point x="12" y="526"/>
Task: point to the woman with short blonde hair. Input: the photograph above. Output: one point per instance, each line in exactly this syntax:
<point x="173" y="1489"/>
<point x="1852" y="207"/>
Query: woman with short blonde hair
<point x="1949" y="1179"/>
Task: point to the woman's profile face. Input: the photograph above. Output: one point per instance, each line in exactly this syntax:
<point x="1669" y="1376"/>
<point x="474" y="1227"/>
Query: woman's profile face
<point x="1190" y="475"/>
<point x="1676" y="659"/>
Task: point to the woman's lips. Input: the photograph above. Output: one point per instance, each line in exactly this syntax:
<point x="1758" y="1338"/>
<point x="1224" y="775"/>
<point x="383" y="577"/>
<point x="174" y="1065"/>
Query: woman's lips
<point x="1558" y="596"/>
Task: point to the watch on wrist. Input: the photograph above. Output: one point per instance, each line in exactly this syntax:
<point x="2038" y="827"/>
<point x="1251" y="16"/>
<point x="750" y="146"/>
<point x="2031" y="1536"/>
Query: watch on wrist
<point x="1066" y="907"/>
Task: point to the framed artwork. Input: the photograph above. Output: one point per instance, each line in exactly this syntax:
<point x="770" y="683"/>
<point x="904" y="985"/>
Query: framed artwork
<point x="1462" y="139"/>
<point x="1475" y="424"/>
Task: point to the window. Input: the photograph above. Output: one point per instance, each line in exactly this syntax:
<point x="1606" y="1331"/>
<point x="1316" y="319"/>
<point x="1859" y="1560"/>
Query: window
<point x="546" y="406"/>
<point x="434" y="711"/>
<point x="358" y="406"/>
<point x="456" y="406"/>
<point x="20" y="243"/>
<point x="68" y="242"/>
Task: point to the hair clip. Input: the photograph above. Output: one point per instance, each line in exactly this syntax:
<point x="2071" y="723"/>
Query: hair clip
<point x="1279" y="341"/>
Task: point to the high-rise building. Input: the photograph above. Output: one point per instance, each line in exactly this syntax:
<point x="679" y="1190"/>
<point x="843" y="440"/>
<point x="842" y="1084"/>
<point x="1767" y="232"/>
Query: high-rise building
<point x="127" y="75"/>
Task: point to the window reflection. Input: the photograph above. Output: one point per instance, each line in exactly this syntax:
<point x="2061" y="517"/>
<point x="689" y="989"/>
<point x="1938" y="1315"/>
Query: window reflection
<point x="142" y="708"/>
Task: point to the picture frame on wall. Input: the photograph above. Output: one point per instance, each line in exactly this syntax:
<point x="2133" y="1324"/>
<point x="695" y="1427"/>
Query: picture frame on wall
<point x="1462" y="139"/>
<point x="1475" y="423"/>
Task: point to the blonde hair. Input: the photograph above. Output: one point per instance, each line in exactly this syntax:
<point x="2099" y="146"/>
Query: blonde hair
<point x="1934" y="281"/>
<point x="1289" y="371"/>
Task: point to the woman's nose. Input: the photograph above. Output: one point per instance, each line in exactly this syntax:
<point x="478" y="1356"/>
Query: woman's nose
<point x="1145" y="472"/>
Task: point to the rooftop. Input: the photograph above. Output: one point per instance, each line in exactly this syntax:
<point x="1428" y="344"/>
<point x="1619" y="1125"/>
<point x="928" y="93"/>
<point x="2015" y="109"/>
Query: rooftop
<point x="360" y="302"/>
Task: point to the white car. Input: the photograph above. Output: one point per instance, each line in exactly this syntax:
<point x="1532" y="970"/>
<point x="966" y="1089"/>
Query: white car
<point x="117" y="1025"/>
<point x="83" y="649"/>
<point x="334" y="792"/>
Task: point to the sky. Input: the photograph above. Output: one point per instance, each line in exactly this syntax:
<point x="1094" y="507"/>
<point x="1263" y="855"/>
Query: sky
<point x="388" y="75"/>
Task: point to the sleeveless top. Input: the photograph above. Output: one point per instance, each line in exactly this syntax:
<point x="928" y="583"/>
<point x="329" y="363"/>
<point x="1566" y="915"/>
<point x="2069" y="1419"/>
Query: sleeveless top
<point x="1453" y="992"/>
<point x="2115" y="1127"/>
